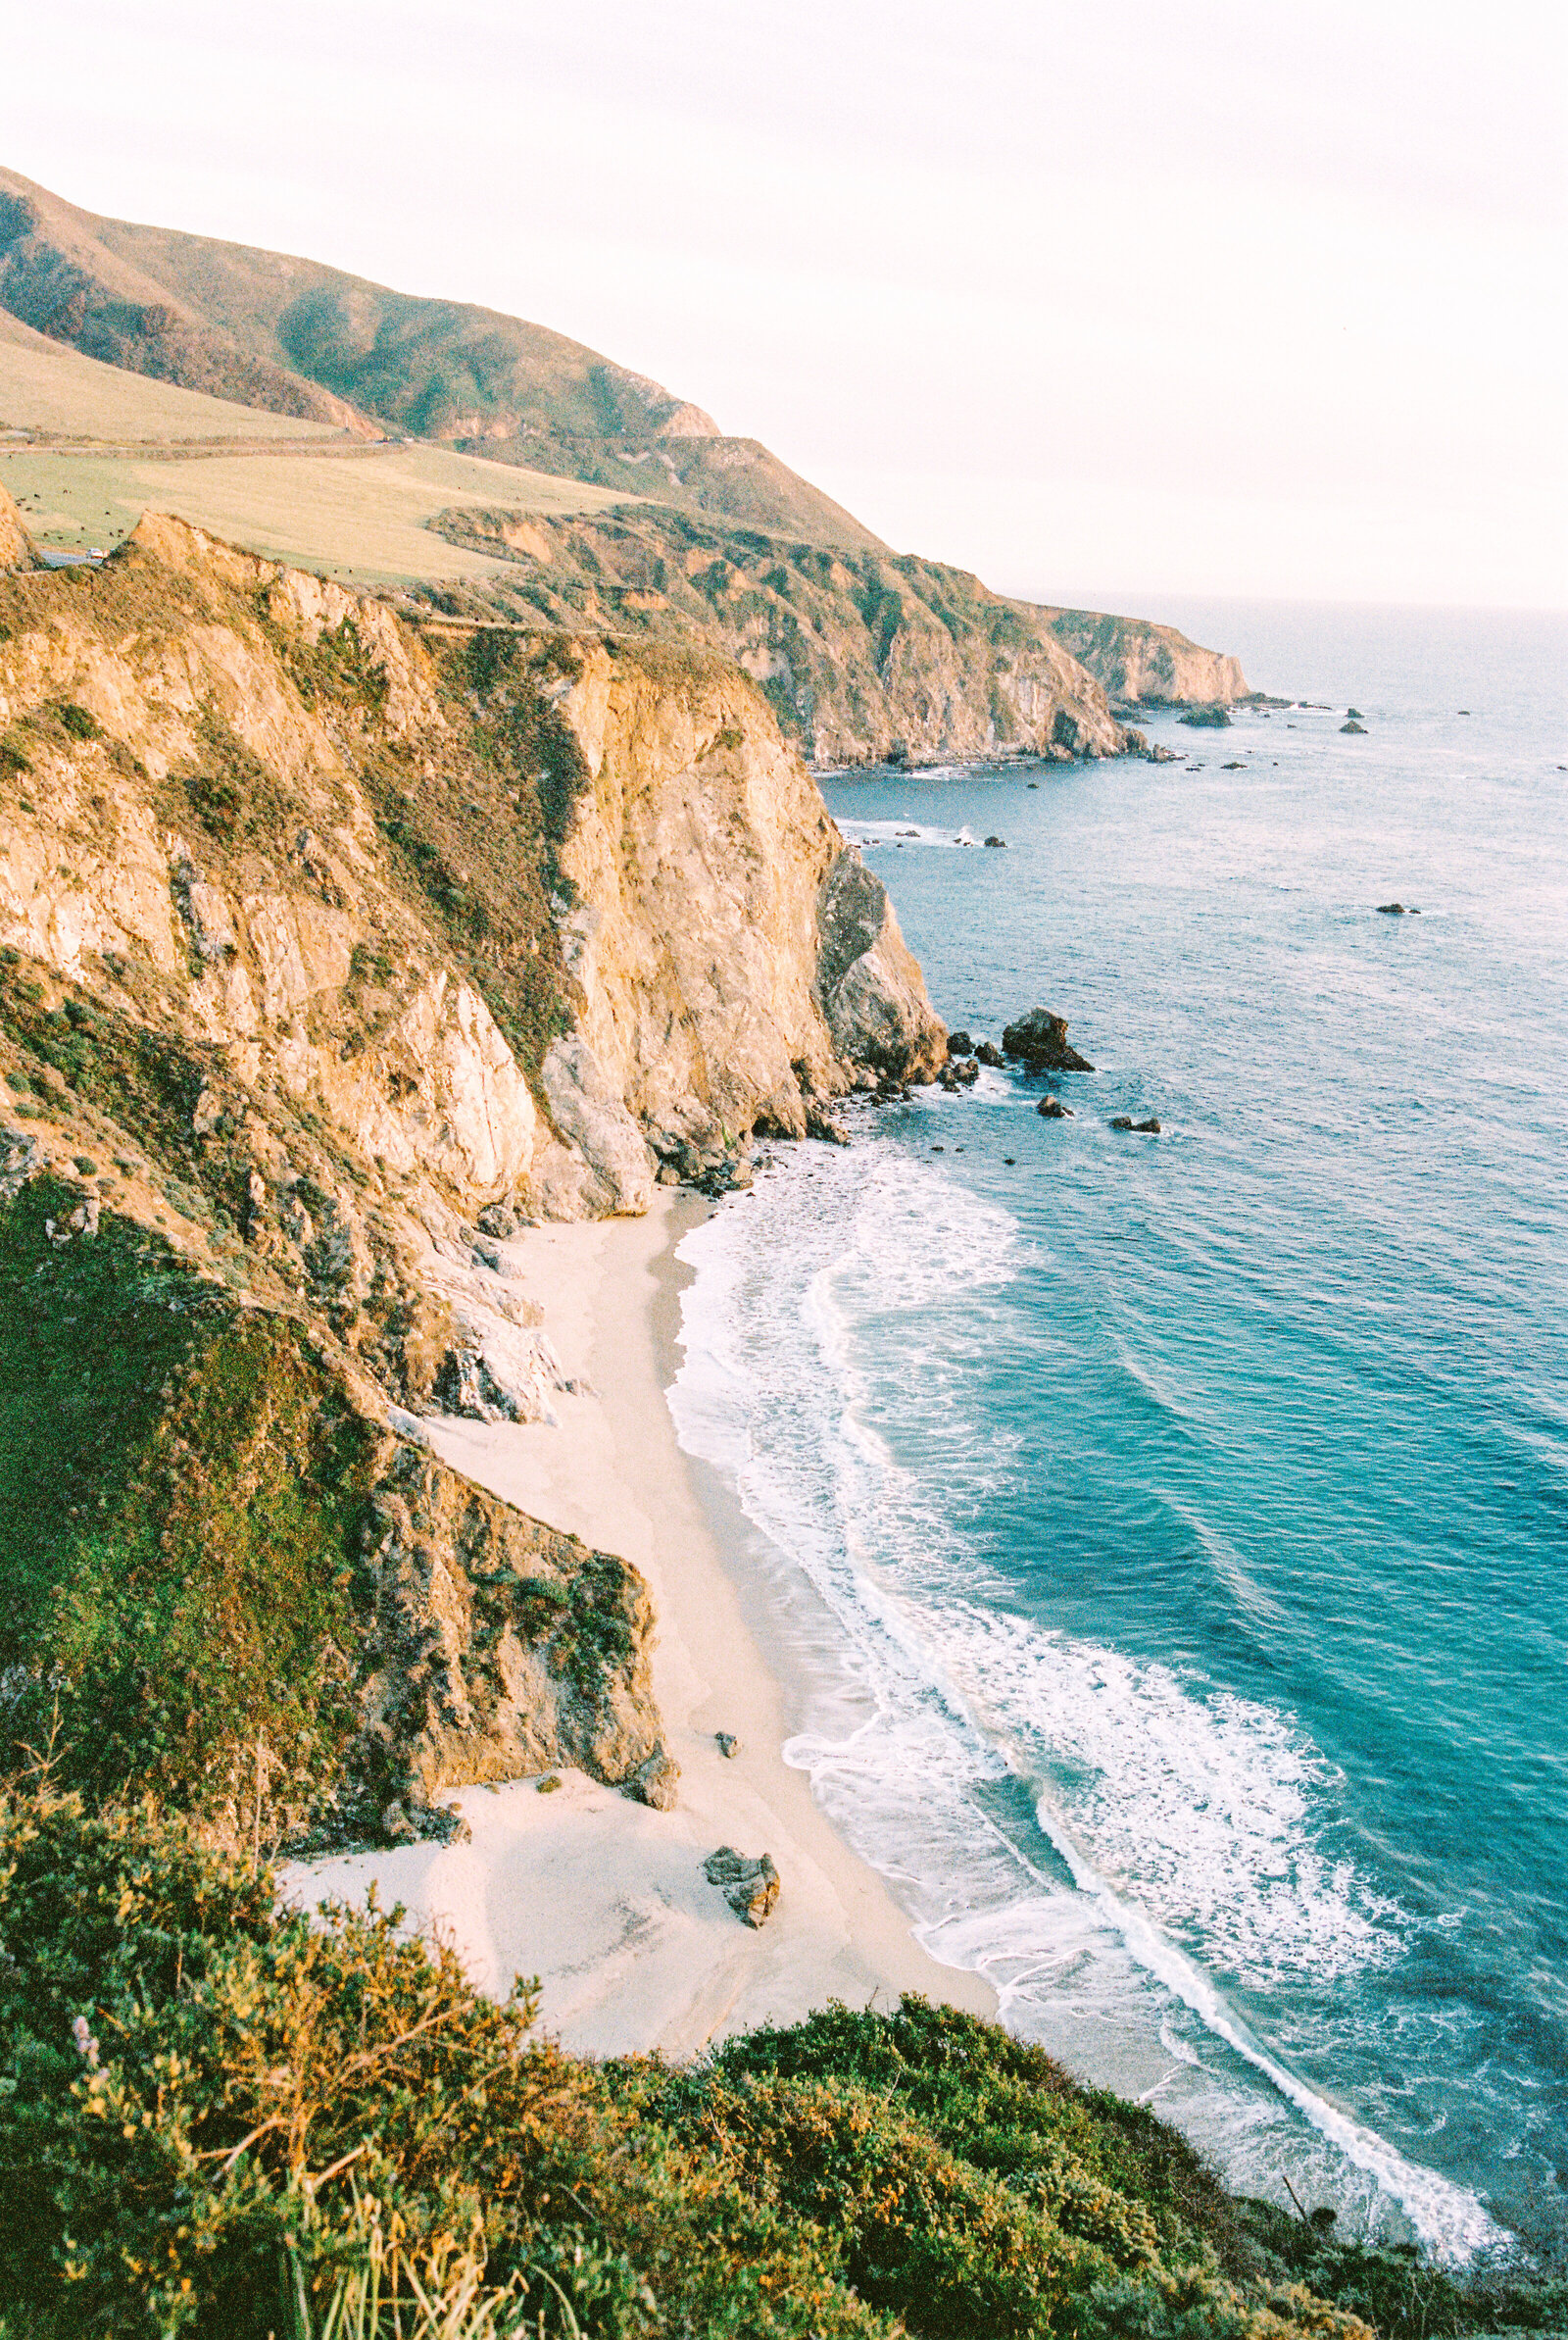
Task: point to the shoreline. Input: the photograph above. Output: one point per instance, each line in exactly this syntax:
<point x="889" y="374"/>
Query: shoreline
<point x="603" y="1899"/>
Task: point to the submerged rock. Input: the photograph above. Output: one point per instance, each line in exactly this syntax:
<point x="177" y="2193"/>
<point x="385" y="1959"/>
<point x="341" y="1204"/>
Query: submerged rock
<point x="1038" y="1040"/>
<point x="751" y="1887"/>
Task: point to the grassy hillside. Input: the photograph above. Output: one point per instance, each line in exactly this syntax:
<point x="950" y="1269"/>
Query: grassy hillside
<point x="357" y="513"/>
<point x="272" y="331"/>
<point x="51" y="391"/>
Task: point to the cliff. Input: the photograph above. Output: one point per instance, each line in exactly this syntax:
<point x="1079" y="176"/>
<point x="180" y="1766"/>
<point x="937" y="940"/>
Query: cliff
<point x="1137" y="661"/>
<point x="227" y="1577"/>
<point x="862" y="655"/>
<point x="330" y="948"/>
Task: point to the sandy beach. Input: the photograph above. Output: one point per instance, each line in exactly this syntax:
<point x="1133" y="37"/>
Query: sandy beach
<point x="601" y="1899"/>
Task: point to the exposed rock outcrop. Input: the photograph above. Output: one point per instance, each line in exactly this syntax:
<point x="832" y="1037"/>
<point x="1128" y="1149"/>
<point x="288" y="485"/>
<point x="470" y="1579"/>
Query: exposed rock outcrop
<point x="1038" y="1041"/>
<point x="1137" y="661"/>
<point x="16" y="545"/>
<point x="498" y="1647"/>
<point x="862" y="655"/>
<point x="331" y="952"/>
<point x="751" y="1887"/>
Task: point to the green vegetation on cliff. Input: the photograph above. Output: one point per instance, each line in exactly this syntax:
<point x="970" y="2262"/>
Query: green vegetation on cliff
<point x="216" y="2113"/>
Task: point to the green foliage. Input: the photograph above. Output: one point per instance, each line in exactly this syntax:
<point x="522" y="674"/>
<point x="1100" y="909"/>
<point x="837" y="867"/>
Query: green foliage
<point x="76" y="722"/>
<point x="180" y="1505"/>
<point x="216" y="2117"/>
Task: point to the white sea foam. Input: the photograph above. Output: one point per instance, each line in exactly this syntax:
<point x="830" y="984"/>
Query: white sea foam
<point x="1180" y="1831"/>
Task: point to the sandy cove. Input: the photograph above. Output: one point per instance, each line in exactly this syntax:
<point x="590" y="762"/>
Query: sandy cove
<point x="603" y="1899"/>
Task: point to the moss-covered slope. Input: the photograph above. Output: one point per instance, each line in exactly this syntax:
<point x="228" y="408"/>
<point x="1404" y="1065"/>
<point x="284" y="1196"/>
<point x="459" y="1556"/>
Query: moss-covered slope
<point x="228" y="1584"/>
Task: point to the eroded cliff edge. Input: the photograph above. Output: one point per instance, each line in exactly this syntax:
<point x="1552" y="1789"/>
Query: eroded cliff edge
<point x="331" y="947"/>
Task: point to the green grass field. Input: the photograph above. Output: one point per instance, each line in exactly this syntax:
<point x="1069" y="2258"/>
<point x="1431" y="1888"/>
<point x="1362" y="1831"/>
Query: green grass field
<point x="355" y="511"/>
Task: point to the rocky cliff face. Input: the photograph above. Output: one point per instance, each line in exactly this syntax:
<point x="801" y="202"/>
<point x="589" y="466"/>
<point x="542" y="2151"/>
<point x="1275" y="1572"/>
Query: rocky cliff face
<point x="331" y="949"/>
<point x="491" y="913"/>
<point x="1140" y="662"/>
<point x="861" y="654"/>
<point x="16" y="547"/>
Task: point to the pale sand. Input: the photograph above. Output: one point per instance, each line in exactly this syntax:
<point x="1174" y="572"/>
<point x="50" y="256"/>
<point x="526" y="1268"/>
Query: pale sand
<point x="604" y="1901"/>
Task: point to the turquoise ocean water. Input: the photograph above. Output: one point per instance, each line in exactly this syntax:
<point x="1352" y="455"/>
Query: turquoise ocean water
<point x="1177" y="1527"/>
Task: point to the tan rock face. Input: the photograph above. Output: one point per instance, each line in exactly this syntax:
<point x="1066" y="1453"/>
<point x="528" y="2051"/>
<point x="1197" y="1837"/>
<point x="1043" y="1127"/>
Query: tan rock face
<point x="1136" y="661"/>
<point x="16" y="545"/>
<point x="500" y="1646"/>
<point x="700" y="854"/>
<point x="193" y="791"/>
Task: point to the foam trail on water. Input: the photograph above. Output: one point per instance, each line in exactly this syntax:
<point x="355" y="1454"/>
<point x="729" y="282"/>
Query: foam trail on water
<point x="1177" y="1833"/>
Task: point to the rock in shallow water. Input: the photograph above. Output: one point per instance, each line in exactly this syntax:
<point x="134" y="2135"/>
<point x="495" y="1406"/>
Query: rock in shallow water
<point x="1038" y="1040"/>
<point x="1052" y="1109"/>
<point x="751" y="1887"/>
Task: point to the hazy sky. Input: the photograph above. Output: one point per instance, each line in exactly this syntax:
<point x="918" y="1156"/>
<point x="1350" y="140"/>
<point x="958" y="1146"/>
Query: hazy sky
<point x="1107" y="300"/>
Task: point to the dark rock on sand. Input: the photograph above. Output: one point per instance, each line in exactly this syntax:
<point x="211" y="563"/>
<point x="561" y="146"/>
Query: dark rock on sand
<point x="1038" y="1040"/>
<point x="727" y="1743"/>
<point x="751" y="1887"/>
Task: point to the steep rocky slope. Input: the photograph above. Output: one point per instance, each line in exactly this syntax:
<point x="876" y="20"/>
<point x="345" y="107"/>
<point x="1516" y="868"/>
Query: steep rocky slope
<point x="331" y="948"/>
<point x="861" y="654"/>
<point x="1137" y="662"/>
<point x="16" y="547"/>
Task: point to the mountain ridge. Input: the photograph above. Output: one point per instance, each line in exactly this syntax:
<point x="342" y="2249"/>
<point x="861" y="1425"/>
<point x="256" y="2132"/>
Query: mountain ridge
<point x="297" y="336"/>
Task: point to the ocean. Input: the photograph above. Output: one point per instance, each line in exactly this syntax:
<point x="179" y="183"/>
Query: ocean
<point x="1168" y="1534"/>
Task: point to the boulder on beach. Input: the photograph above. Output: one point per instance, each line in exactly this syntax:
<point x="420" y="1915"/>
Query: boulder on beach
<point x="1038" y="1041"/>
<point x="751" y="1887"/>
<point x="727" y="1743"/>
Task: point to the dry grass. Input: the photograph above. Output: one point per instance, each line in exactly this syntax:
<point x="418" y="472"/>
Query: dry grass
<point x="44" y="385"/>
<point x="357" y="514"/>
